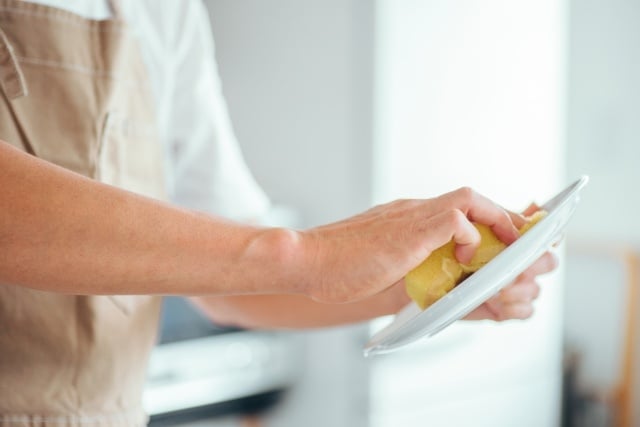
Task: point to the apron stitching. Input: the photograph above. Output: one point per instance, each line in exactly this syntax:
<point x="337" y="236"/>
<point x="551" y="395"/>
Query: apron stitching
<point x="67" y="20"/>
<point x="69" y="66"/>
<point x="12" y="74"/>
<point x="22" y="131"/>
<point x="25" y="60"/>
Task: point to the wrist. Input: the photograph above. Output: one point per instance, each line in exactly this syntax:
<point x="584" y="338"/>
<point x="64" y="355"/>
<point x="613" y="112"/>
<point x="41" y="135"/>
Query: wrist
<point x="280" y="257"/>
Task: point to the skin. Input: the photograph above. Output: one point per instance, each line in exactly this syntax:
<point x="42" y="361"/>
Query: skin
<point x="61" y="232"/>
<point x="515" y="301"/>
<point x="290" y="311"/>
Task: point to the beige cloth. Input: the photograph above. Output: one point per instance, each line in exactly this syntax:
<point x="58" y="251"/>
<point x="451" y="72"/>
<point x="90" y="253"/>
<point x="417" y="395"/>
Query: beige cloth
<point x="75" y="93"/>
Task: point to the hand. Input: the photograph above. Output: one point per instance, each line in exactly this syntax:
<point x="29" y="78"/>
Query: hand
<point x="366" y="254"/>
<point x="295" y="311"/>
<point x="516" y="300"/>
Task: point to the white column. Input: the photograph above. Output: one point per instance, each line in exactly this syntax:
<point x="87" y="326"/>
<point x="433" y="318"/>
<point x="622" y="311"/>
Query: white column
<point x="471" y="93"/>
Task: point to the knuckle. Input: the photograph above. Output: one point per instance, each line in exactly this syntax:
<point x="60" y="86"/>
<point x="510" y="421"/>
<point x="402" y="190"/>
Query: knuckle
<point x="523" y="311"/>
<point x="536" y="291"/>
<point x="466" y="194"/>
<point x="410" y="203"/>
<point x="506" y="294"/>
<point x="399" y="202"/>
<point x="456" y="218"/>
<point x="403" y="205"/>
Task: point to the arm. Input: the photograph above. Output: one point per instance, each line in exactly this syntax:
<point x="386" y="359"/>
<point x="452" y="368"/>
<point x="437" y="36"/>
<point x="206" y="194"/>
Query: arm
<point x="65" y="233"/>
<point x="298" y="312"/>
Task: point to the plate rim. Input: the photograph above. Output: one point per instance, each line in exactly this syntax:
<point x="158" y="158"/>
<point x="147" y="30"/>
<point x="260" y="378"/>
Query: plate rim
<point x="375" y="345"/>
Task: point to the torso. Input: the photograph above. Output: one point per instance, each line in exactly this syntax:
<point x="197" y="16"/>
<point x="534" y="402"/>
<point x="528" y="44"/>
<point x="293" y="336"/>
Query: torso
<point x="76" y="360"/>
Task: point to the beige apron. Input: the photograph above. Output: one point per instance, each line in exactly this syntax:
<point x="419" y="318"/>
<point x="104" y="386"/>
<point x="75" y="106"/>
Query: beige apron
<point x="74" y="92"/>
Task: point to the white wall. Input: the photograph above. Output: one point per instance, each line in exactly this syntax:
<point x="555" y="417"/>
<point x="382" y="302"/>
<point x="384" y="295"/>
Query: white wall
<point x="604" y="110"/>
<point x="604" y="141"/>
<point x="471" y="93"/>
<point x="297" y="76"/>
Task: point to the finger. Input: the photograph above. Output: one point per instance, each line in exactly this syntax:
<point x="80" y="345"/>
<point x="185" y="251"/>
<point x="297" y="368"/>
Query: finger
<point x="484" y="312"/>
<point x="395" y="297"/>
<point x="516" y="311"/>
<point x="545" y="264"/>
<point x="503" y="311"/>
<point x="448" y="225"/>
<point x="519" y="292"/>
<point x="517" y="219"/>
<point x="531" y="209"/>
<point x="482" y="210"/>
<point x="520" y="220"/>
<point x="499" y="310"/>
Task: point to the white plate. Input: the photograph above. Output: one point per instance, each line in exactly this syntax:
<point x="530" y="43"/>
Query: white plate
<point x="411" y="323"/>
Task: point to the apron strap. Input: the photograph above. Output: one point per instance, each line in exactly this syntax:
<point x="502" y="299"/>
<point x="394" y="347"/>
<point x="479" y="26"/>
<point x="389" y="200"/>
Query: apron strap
<point x="11" y="76"/>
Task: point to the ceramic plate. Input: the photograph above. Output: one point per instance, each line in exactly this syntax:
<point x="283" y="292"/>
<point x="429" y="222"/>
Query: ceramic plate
<point x="411" y="323"/>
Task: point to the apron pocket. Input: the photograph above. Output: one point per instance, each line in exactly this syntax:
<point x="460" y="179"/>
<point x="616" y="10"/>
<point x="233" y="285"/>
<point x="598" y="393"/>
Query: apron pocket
<point x="129" y="156"/>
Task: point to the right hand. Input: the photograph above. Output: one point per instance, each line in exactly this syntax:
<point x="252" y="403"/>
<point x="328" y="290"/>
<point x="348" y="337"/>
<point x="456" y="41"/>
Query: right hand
<point x="363" y="255"/>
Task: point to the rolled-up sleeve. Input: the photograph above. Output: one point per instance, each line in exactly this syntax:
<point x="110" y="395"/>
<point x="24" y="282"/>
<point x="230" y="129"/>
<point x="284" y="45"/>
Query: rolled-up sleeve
<point x="205" y="167"/>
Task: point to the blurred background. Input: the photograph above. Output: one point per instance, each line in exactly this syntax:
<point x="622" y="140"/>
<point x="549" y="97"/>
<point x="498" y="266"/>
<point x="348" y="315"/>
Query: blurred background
<point x="342" y="104"/>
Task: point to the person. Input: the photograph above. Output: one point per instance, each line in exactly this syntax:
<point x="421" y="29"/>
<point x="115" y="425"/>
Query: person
<point x="93" y="230"/>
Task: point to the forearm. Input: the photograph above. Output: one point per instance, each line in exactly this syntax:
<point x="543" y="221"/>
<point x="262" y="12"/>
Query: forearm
<point x="297" y="312"/>
<point x="62" y="232"/>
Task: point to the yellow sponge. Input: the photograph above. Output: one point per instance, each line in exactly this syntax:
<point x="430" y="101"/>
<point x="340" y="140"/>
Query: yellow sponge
<point x="441" y="271"/>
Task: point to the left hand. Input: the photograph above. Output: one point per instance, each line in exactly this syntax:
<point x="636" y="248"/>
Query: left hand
<point x="295" y="311"/>
<point x="516" y="300"/>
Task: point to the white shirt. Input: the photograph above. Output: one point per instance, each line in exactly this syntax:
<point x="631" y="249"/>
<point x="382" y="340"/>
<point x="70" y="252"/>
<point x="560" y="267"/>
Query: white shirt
<point x="204" y="167"/>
